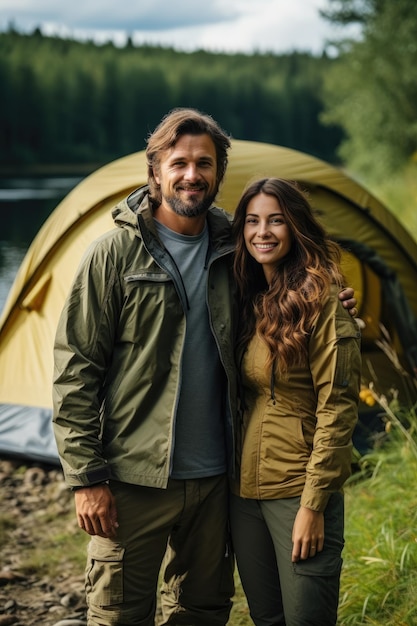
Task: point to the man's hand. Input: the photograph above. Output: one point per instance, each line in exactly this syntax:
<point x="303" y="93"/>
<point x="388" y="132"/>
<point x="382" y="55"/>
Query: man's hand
<point x="307" y="534"/>
<point x="348" y="300"/>
<point x="96" y="511"/>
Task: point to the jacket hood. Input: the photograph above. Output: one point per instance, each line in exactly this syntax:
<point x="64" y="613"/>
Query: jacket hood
<point x="125" y="212"/>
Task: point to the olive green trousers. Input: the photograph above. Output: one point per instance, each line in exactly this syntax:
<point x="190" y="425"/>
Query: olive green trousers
<point x="184" y="529"/>
<point x="279" y="592"/>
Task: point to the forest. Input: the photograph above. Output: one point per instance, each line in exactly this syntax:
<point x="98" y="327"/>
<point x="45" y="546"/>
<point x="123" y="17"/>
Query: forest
<point x="65" y="101"/>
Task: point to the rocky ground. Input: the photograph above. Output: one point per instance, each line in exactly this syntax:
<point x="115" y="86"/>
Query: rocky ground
<point x="41" y="581"/>
<point x="32" y="499"/>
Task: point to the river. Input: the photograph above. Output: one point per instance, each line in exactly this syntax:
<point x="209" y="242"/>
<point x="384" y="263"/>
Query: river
<point x="25" y="204"/>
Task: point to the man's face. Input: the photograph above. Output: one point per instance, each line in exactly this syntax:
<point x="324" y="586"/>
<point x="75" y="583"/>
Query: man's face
<point x="187" y="175"/>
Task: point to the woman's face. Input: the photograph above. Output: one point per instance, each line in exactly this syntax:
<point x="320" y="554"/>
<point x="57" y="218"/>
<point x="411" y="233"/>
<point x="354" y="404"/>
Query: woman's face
<point x="266" y="234"/>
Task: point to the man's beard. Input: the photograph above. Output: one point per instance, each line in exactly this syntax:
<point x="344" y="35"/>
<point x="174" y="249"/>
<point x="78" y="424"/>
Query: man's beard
<point x="192" y="208"/>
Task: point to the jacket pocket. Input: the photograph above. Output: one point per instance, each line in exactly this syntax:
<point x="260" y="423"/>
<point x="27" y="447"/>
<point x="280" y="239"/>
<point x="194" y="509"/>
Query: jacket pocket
<point x="146" y="298"/>
<point x="104" y="572"/>
<point x="148" y="275"/>
<point x="348" y="344"/>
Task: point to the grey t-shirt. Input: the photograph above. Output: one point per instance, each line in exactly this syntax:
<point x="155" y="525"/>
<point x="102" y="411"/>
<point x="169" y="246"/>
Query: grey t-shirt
<point x="199" y="436"/>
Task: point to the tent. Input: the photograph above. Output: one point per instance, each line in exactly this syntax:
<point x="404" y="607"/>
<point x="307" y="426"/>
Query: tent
<point x="380" y="263"/>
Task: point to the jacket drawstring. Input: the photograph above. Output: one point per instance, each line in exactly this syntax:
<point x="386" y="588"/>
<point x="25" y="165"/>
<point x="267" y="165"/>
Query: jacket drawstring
<point x="272" y="383"/>
<point x="240" y="386"/>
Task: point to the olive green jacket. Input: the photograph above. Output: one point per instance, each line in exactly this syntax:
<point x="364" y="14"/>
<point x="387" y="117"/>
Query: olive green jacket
<point x="295" y="437"/>
<point x="118" y="350"/>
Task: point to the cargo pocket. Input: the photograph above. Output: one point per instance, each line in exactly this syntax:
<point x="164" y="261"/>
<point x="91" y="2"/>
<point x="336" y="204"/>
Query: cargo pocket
<point x="323" y="564"/>
<point x="104" y="573"/>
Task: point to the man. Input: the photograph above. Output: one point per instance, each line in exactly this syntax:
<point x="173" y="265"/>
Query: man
<point x="144" y="390"/>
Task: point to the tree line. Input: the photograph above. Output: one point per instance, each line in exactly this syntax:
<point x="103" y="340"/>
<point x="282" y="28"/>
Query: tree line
<point x="66" y="101"/>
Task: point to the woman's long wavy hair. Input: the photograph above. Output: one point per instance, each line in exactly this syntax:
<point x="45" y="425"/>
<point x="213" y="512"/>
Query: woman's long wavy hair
<point x="283" y="313"/>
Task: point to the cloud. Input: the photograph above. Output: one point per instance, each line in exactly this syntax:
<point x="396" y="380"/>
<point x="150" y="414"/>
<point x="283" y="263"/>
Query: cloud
<point x="265" y="30"/>
<point x="146" y="15"/>
<point x="232" y="26"/>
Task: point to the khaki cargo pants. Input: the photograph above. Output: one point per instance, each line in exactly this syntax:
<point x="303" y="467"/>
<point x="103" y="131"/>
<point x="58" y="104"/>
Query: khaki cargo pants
<point x="185" y="527"/>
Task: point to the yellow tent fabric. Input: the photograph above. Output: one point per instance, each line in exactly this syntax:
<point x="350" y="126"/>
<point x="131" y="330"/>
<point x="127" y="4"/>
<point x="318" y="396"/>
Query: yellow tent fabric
<point x="348" y="211"/>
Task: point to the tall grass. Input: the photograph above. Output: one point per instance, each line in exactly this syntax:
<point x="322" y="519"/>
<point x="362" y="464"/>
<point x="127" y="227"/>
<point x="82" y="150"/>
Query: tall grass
<point x="379" y="579"/>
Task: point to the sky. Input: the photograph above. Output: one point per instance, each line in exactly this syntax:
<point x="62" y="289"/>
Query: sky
<point x="231" y="26"/>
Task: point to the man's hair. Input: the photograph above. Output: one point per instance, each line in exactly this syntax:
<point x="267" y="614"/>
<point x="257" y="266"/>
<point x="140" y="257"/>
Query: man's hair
<point x="179" y="122"/>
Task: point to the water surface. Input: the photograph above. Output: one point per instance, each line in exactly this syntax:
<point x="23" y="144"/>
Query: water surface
<point x="25" y="204"/>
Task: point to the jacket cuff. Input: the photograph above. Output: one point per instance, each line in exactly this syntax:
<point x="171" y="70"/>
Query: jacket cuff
<point x="315" y="500"/>
<point x="93" y="477"/>
<point x="104" y="482"/>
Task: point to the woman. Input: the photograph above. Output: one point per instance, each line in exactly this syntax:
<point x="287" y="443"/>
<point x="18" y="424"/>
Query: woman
<point x="300" y="363"/>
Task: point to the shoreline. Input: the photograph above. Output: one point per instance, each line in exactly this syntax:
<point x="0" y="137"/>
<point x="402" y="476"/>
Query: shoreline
<point x="49" y="169"/>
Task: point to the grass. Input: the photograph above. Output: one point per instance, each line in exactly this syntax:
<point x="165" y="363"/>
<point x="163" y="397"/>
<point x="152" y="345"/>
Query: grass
<point x="379" y="579"/>
<point x="61" y="548"/>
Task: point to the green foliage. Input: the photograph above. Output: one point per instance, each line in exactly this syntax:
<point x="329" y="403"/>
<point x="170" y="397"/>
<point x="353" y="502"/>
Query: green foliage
<point x="399" y="193"/>
<point x="371" y="90"/>
<point x="346" y="12"/>
<point x="66" y="101"/>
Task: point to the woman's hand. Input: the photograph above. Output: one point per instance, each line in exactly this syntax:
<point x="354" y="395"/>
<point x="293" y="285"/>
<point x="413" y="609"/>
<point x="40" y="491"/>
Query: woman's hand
<point x="307" y="534"/>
